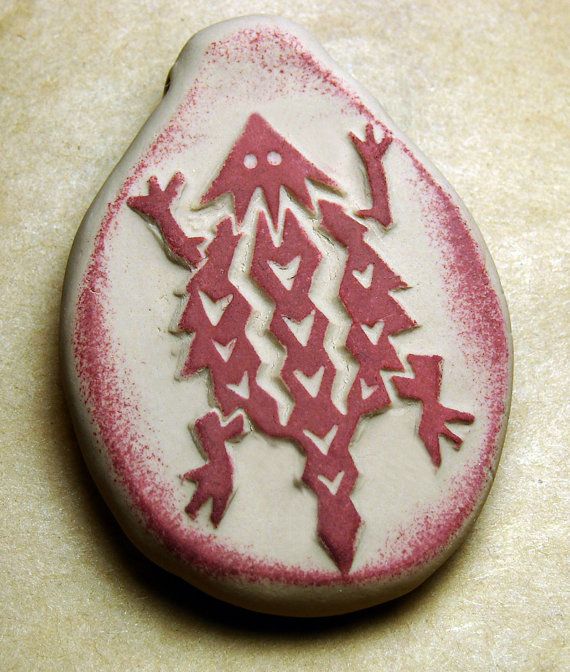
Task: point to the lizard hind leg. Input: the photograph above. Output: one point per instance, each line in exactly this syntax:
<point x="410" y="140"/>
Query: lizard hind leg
<point x="214" y="479"/>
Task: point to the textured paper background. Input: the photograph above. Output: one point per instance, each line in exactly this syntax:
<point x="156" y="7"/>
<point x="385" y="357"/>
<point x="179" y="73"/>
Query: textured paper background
<point x="482" y="87"/>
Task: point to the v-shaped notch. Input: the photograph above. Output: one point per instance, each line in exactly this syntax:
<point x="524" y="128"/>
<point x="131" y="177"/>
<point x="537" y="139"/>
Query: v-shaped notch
<point x="364" y="277"/>
<point x="373" y="332"/>
<point x="301" y="330"/>
<point x="286" y="274"/>
<point x="333" y="485"/>
<point x="215" y="309"/>
<point x="323" y="443"/>
<point x="367" y="390"/>
<point x="311" y="383"/>
<point x="225" y="351"/>
<point x="242" y="388"/>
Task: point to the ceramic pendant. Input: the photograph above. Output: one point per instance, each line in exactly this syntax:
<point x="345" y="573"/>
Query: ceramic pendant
<point x="285" y="345"/>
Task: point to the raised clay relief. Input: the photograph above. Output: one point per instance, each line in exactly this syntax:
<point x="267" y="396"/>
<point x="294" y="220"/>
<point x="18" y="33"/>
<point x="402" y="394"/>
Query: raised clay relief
<point x="283" y="265"/>
<point x="343" y="375"/>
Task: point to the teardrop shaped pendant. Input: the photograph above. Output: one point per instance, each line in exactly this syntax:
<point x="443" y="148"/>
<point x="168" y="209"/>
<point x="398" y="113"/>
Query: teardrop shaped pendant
<point x="311" y="424"/>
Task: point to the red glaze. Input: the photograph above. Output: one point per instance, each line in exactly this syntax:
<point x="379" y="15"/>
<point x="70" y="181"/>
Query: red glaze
<point x="156" y="207"/>
<point x="262" y="144"/>
<point x="425" y="387"/>
<point x="215" y="478"/>
<point x="372" y="154"/>
<point x="367" y="305"/>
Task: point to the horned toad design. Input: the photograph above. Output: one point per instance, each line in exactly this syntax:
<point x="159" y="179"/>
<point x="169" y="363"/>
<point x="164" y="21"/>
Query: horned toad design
<point x="283" y="267"/>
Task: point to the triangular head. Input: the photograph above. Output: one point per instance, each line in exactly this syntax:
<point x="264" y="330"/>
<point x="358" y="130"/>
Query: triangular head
<point x="263" y="158"/>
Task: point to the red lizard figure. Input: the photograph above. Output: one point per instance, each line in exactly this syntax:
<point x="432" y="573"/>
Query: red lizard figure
<point x="216" y="313"/>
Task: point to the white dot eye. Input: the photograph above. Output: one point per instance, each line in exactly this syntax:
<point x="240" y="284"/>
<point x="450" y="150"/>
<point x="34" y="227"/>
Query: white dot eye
<point x="274" y="158"/>
<point x="250" y="161"/>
